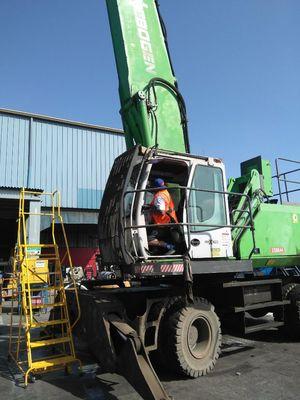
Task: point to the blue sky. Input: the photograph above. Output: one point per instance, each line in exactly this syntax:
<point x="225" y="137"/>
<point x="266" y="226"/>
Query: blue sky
<point x="237" y="63"/>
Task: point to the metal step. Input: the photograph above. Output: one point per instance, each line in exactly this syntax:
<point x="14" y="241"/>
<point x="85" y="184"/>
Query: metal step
<point x="53" y="362"/>
<point x="45" y="305"/>
<point x="50" y="342"/>
<point x="256" y="306"/>
<point x="37" y="273"/>
<point x="48" y="323"/>
<point x="262" y="327"/>
<point x="35" y="289"/>
<point x="251" y="283"/>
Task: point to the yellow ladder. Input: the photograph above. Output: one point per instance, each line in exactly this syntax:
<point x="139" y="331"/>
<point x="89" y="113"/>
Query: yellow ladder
<point x="44" y="339"/>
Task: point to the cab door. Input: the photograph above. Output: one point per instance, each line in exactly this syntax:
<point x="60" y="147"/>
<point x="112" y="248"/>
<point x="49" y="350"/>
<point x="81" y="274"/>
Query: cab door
<point x="207" y="212"/>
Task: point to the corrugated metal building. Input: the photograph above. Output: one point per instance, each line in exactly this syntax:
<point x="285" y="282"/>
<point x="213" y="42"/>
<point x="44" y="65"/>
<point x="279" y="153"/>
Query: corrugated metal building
<point x="49" y="153"/>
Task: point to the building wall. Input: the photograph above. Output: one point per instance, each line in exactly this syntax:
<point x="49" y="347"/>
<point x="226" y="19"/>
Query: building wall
<point x="14" y="139"/>
<point x="48" y="153"/>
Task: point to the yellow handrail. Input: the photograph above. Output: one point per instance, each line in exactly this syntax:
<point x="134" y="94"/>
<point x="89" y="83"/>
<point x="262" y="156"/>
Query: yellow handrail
<point x="31" y="277"/>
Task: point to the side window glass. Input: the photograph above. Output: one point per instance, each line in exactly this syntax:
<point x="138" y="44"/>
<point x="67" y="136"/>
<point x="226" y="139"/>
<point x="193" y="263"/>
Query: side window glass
<point x="205" y="205"/>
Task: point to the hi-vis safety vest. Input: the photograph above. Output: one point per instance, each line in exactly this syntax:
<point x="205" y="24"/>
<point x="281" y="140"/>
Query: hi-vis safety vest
<point x="169" y="214"/>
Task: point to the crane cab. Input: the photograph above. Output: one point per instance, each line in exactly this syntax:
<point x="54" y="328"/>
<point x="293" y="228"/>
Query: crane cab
<point x="197" y="187"/>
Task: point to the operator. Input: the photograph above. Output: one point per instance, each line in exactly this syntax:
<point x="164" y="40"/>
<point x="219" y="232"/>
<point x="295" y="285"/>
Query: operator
<point x="162" y="212"/>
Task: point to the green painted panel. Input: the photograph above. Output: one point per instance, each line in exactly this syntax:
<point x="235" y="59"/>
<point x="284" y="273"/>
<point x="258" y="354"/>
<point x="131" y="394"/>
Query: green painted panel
<point x="277" y="235"/>
<point x="264" y="169"/>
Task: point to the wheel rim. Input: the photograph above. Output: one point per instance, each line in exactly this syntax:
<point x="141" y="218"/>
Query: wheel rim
<point x="199" y="337"/>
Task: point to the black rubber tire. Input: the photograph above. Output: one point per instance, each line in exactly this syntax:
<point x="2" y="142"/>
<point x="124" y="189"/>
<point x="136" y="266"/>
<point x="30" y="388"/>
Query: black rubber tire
<point x="191" y="338"/>
<point x="291" y="316"/>
<point x="292" y="312"/>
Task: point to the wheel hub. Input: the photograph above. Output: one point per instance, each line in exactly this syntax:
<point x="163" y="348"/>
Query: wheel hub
<point x="199" y="337"/>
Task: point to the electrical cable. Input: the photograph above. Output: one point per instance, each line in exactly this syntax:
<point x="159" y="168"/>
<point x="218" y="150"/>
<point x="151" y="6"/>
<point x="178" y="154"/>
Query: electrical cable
<point x="180" y="101"/>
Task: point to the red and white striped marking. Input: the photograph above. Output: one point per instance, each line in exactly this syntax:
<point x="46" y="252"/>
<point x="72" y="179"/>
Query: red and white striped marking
<point x="164" y="268"/>
<point x="171" y="268"/>
<point x="147" y="268"/>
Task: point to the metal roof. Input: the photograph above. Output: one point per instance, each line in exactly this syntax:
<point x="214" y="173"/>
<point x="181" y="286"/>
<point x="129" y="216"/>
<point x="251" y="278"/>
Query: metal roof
<point x="54" y="154"/>
<point x="61" y="121"/>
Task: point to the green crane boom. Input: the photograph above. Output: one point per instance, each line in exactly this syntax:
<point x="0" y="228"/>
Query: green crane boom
<point x="152" y="109"/>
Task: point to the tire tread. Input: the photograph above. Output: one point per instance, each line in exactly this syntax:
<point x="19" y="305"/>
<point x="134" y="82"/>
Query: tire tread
<point x="172" y="348"/>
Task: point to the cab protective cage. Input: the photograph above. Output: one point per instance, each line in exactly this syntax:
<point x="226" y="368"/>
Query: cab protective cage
<point x="121" y="238"/>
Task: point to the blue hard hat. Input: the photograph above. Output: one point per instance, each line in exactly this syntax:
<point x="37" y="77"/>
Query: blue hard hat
<point x="159" y="183"/>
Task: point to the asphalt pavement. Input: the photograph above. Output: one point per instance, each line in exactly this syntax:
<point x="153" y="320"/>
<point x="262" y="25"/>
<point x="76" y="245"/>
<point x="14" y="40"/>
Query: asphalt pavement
<point x="265" y="366"/>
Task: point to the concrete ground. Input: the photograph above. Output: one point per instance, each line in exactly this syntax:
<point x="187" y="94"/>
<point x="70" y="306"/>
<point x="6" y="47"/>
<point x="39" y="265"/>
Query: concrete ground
<point x="262" y="367"/>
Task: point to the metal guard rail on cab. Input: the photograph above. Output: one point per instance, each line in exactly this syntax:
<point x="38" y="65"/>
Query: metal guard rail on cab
<point x="279" y="178"/>
<point x="131" y="227"/>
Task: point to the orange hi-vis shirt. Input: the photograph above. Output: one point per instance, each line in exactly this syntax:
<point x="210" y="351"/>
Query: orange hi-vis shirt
<point x="166" y="212"/>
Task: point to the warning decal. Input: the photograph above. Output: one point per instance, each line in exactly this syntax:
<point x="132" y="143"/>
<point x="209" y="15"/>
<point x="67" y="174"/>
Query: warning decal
<point x="277" y="250"/>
